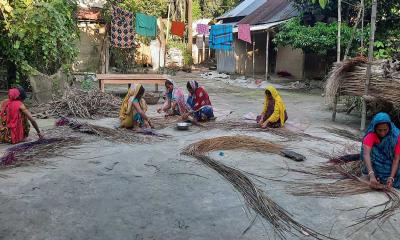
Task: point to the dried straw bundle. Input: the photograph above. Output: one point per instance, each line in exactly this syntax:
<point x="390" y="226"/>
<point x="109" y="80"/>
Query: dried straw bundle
<point x="232" y="142"/>
<point x="343" y="133"/>
<point x="334" y="80"/>
<point x="254" y="196"/>
<point x="163" y="122"/>
<point x="246" y="126"/>
<point x="350" y="183"/>
<point x="34" y="152"/>
<point x="348" y="78"/>
<point x="112" y="134"/>
<point x="82" y="104"/>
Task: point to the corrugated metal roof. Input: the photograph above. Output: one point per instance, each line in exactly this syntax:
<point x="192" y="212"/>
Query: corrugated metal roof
<point x="260" y="27"/>
<point x="271" y="11"/>
<point x="243" y="9"/>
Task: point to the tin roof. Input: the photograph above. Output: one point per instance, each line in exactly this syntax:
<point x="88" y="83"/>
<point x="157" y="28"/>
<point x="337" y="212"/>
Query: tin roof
<point x="243" y="9"/>
<point x="271" y="11"/>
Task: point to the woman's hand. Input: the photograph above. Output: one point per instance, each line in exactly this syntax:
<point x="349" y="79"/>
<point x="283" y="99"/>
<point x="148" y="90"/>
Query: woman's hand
<point x="159" y="110"/>
<point x="40" y="135"/>
<point x="185" y="116"/>
<point x="264" y="125"/>
<point x="373" y="183"/>
<point x="147" y="124"/>
<point x="389" y="182"/>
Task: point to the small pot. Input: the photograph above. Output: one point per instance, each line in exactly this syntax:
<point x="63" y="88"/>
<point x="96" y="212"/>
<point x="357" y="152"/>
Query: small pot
<point x="183" y="125"/>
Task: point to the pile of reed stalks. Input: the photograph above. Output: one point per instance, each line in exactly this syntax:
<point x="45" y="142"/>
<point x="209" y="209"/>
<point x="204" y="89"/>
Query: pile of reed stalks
<point x="231" y="143"/>
<point x="254" y="127"/>
<point x="82" y="104"/>
<point x="343" y="133"/>
<point x="348" y="78"/>
<point x="112" y="134"/>
<point x="256" y="198"/>
<point x="348" y="181"/>
<point x="31" y="153"/>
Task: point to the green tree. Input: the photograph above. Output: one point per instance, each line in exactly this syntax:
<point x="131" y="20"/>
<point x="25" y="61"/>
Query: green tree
<point x="38" y="35"/>
<point x="320" y="38"/>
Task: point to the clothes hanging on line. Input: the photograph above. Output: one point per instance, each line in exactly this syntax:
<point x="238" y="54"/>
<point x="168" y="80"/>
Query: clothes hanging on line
<point x="146" y="25"/>
<point x="122" y="32"/>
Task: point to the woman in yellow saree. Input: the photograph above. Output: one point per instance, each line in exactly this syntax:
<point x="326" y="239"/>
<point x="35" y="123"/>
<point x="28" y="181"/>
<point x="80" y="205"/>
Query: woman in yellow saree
<point x="274" y="111"/>
<point x="133" y="109"/>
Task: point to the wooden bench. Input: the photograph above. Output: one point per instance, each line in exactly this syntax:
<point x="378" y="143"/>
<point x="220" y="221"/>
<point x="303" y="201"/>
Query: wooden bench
<point x="130" y="78"/>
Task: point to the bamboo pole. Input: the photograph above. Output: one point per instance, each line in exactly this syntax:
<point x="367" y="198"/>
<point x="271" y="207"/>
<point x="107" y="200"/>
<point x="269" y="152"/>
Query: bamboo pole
<point x="339" y="29"/>
<point x="338" y="53"/>
<point x="204" y="48"/>
<point x="167" y="35"/>
<point x="254" y="57"/>
<point x="347" y="51"/>
<point x="190" y="31"/>
<point x="370" y="58"/>
<point x="362" y="26"/>
<point x="267" y="58"/>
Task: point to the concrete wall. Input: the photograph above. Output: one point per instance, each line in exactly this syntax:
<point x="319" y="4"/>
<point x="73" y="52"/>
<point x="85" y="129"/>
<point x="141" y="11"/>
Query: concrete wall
<point x="290" y="60"/>
<point x="91" y="44"/>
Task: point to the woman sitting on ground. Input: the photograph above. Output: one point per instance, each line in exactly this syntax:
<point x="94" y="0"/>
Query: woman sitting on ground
<point x="133" y="109"/>
<point x="14" y="118"/>
<point x="274" y="112"/>
<point x="199" y="103"/>
<point x="175" y="100"/>
<point x="381" y="152"/>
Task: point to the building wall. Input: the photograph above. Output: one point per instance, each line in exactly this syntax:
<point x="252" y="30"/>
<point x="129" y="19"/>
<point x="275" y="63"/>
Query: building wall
<point x="290" y="60"/>
<point x="244" y="57"/>
<point x="91" y="44"/>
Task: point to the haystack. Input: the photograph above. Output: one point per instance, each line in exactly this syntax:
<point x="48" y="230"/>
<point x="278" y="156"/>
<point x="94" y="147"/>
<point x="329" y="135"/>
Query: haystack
<point x="347" y="78"/>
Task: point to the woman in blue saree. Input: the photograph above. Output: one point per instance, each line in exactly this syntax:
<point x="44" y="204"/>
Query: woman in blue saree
<point x="381" y="152"/>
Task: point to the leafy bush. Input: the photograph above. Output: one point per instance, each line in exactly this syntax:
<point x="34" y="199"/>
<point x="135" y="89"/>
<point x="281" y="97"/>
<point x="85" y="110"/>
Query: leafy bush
<point x="319" y="39"/>
<point x="39" y="34"/>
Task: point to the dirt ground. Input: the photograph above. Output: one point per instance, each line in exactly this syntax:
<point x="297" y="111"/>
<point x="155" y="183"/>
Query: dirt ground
<point x="107" y="190"/>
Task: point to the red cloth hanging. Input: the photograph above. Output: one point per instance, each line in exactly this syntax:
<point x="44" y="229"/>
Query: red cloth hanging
<point x="178" y="28"/>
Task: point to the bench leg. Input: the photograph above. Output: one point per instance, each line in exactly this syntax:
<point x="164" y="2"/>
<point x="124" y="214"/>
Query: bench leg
<point x="156" y="87"/>
<point x="102" y="86"/>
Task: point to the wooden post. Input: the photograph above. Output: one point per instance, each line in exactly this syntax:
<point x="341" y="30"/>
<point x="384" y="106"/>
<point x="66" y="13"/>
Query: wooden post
<point x="267" y="58"/>
<point x="362" y="26"/>
<point x="204" y="47"/>
<point x="347" y="51"/>
<point x="337" y="53"/>
<point x="245" y="61"/>
<point x="190" y="31"/>
<point x="167" y="35"/>
<point x="254" y="63"/>
<point x="339" y="29"/>
<point x="369" y="66"/>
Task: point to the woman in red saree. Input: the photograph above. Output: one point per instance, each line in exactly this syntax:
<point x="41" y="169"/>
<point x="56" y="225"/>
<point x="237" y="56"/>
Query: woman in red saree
<point x="14" y="116"/>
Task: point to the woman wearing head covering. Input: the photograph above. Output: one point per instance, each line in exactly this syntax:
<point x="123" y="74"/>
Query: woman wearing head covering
<point x="175" y="100"/>
<point x="274" y="111"/>
<point x="133" y="108"/>
<point x="381" y="152"/>
<point x="199" y="102"/>
<point x="14" y="118"/>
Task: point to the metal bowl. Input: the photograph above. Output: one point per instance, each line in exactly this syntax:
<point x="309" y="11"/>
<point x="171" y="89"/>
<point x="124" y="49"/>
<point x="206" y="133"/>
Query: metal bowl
<point x="183" y="125"/>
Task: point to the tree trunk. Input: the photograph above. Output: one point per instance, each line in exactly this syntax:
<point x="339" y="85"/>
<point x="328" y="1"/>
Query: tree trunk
<point x="339" y="30"/>
<point x="337" y="52"/>
<point x="370" y="59"/>
<point x="362" y="26"/>
<point x="190" y="32"/>
<point x="346" y="53"/>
